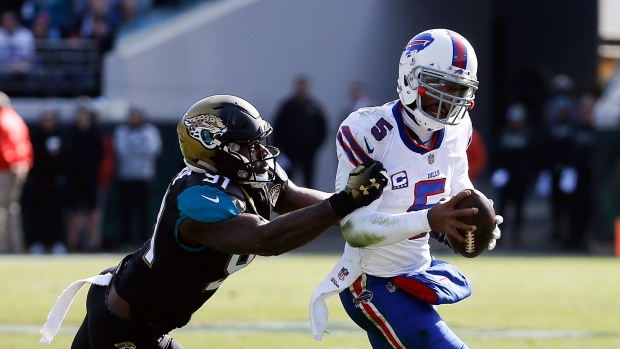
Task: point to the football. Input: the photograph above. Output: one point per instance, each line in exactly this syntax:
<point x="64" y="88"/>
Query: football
<point x="476" y="241"/>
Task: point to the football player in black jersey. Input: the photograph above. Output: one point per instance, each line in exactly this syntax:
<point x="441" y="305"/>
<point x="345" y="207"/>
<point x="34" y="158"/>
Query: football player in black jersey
<point x="213" y="220"/>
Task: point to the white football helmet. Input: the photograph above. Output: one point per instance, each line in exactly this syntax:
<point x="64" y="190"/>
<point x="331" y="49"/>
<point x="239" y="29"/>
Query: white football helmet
<point x="441" y="64"/>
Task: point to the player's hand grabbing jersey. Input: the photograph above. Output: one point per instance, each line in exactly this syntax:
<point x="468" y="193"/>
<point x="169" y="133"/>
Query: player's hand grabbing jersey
<point x="165" y="273"/>
<point x="388" y="240"/>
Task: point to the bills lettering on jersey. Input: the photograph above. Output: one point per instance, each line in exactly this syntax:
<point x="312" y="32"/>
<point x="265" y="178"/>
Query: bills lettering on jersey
<point x="400" y="180"/>
<point x="433" y="174"/>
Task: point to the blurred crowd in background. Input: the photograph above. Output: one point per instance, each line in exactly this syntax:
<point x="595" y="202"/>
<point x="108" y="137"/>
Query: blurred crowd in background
<point x="70" y="168"/>
<point x="54" y="48"/>
<point x="78" y="172"/>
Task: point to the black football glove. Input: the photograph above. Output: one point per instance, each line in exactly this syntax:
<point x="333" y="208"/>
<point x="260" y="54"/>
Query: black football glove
<point x="365" y="185"/>
<point x="441" y="238"/>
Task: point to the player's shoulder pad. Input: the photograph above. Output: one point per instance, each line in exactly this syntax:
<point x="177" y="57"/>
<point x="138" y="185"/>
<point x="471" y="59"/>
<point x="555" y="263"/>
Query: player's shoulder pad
<point x="208" y="197"/>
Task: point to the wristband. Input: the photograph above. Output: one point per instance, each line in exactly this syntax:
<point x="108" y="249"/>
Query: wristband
<point x="342" y="203"/>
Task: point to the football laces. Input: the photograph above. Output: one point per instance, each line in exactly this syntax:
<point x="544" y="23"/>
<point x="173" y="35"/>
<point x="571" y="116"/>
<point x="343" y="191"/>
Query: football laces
<point x="470" y="247"/>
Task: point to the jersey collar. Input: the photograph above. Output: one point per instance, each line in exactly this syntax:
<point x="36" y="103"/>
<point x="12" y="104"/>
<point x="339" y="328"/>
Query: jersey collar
<point x="397" y="112"/>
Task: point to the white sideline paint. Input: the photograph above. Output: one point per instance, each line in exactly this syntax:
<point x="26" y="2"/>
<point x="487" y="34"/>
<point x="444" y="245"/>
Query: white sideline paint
<point x="169" y="29"/>
<point x="336" y="328"/>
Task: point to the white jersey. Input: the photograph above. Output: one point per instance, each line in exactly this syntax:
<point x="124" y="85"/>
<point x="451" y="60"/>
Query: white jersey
<point x="419" y="177"/>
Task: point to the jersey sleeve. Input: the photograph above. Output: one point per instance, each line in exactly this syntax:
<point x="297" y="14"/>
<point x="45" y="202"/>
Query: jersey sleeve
<point x="206" y="204"/>
<point x="353" y="147"/>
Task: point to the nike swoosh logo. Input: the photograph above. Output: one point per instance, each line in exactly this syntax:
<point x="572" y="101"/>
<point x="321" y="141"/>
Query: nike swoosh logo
<point x="216" y="200"/>
<point x="370" y="150"/>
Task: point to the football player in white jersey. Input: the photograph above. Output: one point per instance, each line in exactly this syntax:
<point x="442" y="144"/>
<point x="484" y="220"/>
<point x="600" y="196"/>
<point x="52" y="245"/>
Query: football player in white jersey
<point x="421" y="139"/>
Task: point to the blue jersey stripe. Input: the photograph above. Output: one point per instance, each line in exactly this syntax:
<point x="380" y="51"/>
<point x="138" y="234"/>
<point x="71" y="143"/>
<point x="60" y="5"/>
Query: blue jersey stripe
<point x="347" y="150"/>
<point x="348" y="135"/>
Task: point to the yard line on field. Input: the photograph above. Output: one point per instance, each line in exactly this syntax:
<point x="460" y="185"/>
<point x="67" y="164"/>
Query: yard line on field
<point x="338" y="328"/>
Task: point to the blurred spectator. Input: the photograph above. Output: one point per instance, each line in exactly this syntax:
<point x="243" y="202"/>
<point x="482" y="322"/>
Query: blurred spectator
<point x="15" y="163"/>
<point x="48" y="182"/>
<point x="60" y="21"/>
<point x="583" y="199"/>
<point x="358" y="98"/>
<point x="514" y="166"/>
<point x="46" y="75"/>
<point x="559" y="161"/>
<point x="127" y="12"/>
<point x="562" y="90"/>
<point x="97" y="24"/>
<point x="17" y="52"/>
<point x="41" y="29"/>
<point x="137" y="144"/>
<point x="97" y="10"/>
<point x="300" y="127"/>
<point x="476" y="155"/>
<point x="84" y="157"/>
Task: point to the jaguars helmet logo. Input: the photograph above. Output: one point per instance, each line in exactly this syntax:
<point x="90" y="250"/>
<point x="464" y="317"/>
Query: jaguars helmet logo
<point x="205" y="128"/>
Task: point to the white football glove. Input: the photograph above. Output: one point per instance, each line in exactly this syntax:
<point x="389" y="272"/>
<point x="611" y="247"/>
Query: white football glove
<point x="497" y="233"/>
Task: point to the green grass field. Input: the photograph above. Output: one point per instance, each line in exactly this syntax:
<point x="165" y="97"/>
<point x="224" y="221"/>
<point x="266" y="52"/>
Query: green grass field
<point x="517" y="302"/>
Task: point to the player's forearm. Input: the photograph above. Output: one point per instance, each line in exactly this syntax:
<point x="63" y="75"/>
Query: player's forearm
<point x="295" y="198"/>
<point x="366" y="228"/>
<point x="293" y="230"/>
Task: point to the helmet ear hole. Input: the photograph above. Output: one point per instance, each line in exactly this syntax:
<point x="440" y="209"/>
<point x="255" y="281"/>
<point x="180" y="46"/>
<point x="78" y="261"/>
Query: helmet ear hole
<point x="406" y="81"/>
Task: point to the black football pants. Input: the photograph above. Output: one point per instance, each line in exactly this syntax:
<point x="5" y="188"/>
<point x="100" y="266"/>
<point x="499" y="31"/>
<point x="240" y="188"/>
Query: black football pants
<point x="103" y="330"/>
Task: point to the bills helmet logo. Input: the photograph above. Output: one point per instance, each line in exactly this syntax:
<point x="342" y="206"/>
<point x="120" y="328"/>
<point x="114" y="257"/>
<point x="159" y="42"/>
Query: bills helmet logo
<point x="205" y="128"/>
<point x="364" y="298"/>
<point x="419" y="43"/>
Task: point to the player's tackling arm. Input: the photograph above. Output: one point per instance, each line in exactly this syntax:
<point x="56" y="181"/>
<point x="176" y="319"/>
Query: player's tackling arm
<point x="295" y="197"/>
<point x="250" y="234"/>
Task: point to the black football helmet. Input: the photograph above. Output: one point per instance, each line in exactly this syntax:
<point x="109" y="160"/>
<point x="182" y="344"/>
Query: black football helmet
<point x="225" y="134"/>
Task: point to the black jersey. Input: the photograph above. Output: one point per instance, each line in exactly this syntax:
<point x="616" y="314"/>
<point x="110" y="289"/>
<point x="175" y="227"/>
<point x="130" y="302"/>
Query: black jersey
<point x="165" y="281"/>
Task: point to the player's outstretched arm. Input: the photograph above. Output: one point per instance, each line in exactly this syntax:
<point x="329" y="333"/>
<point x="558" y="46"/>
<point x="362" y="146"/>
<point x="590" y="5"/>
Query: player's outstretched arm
<point x="250" y="234"/>
<point x="295" y="198"/>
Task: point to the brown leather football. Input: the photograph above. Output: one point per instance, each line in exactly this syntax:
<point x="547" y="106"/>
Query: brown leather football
<point x="477" y="241"/>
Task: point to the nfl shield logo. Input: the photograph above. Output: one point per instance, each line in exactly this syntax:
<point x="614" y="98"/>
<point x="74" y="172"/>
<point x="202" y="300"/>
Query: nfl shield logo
<point x="343" y="273"/>
<point x="431" y="159"/>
